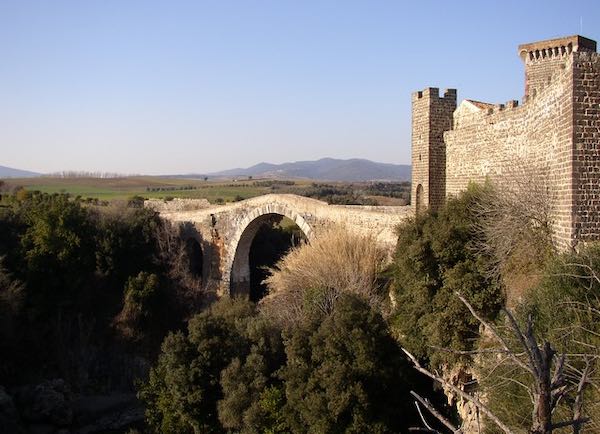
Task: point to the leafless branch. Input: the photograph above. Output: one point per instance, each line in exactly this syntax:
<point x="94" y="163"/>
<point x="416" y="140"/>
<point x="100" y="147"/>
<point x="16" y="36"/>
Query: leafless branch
<point x="482" y="407"/>
<point x="495" y="333"/>
<point x="435" y="413"/>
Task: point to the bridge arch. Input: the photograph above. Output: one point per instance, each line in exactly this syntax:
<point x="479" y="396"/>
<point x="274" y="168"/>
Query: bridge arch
<point x="239" y="263"/>
<point x="195" y="256"/>
<point x="195" y="248"/>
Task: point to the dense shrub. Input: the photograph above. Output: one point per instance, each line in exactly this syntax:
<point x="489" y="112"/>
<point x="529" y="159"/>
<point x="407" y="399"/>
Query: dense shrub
<point x="232" y="370"/>
<point x="142" y="301"/>
<point x="345" y="373"/>
<point x="58" y="247"/>
<point x="127" y="243"/>
<point x="184" y="387"/>
<point x="70" y="262"/>
<point x="434" y="259"/>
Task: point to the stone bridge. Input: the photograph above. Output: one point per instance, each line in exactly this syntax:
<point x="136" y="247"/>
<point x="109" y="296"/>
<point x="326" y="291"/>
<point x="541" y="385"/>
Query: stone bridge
<point x="225" y="232"/>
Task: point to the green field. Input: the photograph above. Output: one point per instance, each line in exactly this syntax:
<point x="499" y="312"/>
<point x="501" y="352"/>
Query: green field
<point x="145" y="186"/>
<point x="108" y="189"/>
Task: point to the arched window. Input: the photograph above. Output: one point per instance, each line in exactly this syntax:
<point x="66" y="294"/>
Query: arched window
<point x="419" y="205"/>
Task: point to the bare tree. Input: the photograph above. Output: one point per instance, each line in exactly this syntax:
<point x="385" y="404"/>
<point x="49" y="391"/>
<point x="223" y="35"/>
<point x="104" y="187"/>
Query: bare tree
<point x="172" y="252"/>
<point x="553" y="377"/>
<point x="515" y="217"/>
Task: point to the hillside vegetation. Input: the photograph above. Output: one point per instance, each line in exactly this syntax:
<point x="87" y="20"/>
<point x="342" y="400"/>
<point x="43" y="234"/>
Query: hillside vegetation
<point x="100" y="304"/>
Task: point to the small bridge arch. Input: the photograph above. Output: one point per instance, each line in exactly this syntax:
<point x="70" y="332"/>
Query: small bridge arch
<point x="239" y="274"/>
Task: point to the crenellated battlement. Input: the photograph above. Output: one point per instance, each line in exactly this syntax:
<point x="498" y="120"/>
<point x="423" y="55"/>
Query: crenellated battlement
<point x="434" y="93"/>
<point x="555" y="48"/>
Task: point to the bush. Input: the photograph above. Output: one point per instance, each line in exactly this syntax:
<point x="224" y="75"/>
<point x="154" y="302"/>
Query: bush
<point x="252" y="393"/>
<point x="183" y="389"/>
<point x="58" y="248"/>
<point x="233" y="372"/>
<point x="141" y="305"/>
<point x="127" y="243"/>
<point x="434" y="259"/>
<point x="312" y="276"/>
<point x="70" y="262"/>
<point x="345" y="373"/>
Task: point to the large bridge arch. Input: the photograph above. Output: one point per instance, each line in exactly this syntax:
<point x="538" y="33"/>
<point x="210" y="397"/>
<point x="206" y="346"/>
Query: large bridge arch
<point x="226" y="231"/>
<point x="238" y="264"/>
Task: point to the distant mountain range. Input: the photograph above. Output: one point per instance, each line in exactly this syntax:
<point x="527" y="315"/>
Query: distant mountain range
<point x="326" y="169"/>
<point x="9" y="172"/>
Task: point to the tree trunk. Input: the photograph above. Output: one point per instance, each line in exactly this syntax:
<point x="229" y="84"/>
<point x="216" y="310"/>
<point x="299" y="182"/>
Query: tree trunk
<point x="542" y="410"/>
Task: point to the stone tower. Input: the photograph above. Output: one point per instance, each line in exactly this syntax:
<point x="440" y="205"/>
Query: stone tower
<point x="548" y="145"/>
<point x="545" y="59"/>
<point x="431" y="116"/>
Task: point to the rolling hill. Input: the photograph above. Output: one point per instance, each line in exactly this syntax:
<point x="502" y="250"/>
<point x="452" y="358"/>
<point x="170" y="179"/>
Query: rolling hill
<point x="326" y="169"/>
<point x="9" y="172"/>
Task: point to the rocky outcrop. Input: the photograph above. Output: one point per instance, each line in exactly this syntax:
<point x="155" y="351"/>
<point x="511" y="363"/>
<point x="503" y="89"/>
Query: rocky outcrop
<point x="48" y="403"/>
<point x="9" y="418"/>
<point x="462" y="376"/>
<point x="51" y="408"/>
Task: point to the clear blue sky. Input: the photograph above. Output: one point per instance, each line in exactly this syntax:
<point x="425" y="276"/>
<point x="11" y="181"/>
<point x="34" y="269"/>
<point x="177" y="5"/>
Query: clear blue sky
<point x="197" y="86"/>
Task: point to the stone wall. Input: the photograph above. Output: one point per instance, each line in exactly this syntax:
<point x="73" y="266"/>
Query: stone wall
<point x="552" y="140"/>
<point x="509" y="141"/>
<point x="586" y="149"/>
<point x="543" y="59"/>
<point x="176" y="204"/>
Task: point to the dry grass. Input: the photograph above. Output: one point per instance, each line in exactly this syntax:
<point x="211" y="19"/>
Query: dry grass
<point x="312" y="276"/>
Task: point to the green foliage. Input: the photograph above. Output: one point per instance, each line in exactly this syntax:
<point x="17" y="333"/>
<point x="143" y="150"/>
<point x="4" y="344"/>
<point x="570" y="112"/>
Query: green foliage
<point x="58" y="248"/>
<point x="271" y="403"/>
<point x="252" y="395"/>
<point x="70" y="262"/>
<point x="184" y="387"/>
<point x="433" y="260"/>
<point x="126" y="243"/>
<point x="345" y="373"/>
<point x="234" y="372"/>
<point x="141" y="305"/>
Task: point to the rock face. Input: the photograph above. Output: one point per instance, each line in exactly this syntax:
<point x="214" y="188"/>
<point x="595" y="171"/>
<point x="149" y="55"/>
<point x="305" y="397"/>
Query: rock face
<point x="49" y="402"/>
<point x="462" y="377"/>
<point x="51" y="408"/>
<point x="9" y="418"/>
